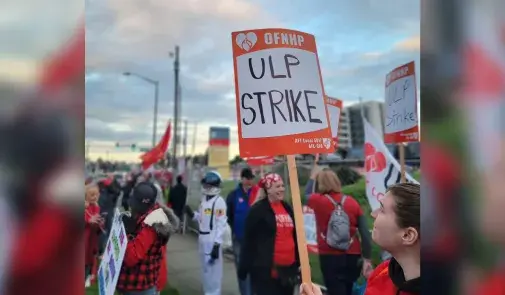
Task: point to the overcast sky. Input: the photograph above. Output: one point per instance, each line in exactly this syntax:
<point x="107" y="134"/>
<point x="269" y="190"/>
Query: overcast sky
<point x="358" y="41"/>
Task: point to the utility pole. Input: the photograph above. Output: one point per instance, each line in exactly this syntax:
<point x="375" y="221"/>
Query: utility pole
<point x="88" y="146"/>
<point x="176" y="113"/>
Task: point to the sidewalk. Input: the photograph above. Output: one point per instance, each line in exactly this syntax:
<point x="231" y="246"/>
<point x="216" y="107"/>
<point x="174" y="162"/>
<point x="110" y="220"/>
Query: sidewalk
<point x="184" y="267"/>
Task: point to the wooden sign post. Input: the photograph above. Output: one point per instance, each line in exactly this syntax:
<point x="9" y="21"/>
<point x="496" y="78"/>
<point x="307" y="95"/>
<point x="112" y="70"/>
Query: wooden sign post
<point x="300" y="228"/>
<point x="280" y="104"/>
<point x="401" y="121"/>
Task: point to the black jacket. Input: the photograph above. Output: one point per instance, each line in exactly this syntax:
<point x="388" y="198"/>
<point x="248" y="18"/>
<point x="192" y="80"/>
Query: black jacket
<point x="177" y="198"/>
<point x="127" y="189"/>
<point x="257" y="252"/>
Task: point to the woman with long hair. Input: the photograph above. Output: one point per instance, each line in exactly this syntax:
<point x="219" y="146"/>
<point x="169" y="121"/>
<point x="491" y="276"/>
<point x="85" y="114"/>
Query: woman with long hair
<point x="269" y="251"/>
<point x="340" y="267"/>
<point x="397" y="229"/>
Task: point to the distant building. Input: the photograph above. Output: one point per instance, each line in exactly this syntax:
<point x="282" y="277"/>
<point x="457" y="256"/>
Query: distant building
<point x="414" y="149"/>
<point x="219" y="150"/>
<point x="344" y="131"/>
<point x="373" y="112"/>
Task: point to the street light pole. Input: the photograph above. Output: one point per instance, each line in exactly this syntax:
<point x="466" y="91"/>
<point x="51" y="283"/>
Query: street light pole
<point x="155" y="119"/>
<point x="156" y="99"/>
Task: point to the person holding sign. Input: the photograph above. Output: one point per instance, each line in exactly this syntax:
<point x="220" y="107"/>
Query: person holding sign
<point x="281" y="109"/>
<point x="148" y="228"/>
<point x="269" y="251"/>
<point x="212" y="223"/>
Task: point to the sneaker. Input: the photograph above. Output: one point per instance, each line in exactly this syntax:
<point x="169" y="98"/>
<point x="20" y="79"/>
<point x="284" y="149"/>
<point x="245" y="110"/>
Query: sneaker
<point x="87" y="283"/>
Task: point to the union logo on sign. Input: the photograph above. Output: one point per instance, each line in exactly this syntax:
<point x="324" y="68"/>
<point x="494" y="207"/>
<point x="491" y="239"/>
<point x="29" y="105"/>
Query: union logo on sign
<point x="246" y="41"/>
<point x="375" y="161"/>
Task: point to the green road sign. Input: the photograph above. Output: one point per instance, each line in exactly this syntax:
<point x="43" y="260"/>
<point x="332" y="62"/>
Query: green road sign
<point x="132" y="146"/>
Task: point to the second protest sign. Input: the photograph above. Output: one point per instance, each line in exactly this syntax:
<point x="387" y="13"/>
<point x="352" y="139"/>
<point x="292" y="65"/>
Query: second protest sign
<point x="334" y="106"/>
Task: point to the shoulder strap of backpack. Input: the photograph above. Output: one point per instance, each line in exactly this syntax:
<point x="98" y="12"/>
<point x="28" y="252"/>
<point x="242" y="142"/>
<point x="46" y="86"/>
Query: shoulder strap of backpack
<point x="344" y="197"/>
<point x="331" y="200"/>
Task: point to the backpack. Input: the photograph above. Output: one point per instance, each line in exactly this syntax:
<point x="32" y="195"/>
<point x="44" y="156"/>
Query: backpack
<point x="338" y="234"/>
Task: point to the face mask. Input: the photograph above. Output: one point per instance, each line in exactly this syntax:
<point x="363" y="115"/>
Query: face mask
<point x="211" y="191"/>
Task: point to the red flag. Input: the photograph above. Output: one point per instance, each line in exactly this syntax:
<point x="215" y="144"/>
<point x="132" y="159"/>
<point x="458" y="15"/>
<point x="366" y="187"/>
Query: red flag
<point x="150" y="159"/>
<point x="155" y="154"/>
<point x="259" y="161"/>
<point x="67" y="64"/>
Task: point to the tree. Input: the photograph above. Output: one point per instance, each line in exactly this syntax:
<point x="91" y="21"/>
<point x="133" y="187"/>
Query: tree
<point x="200" y="159"/>
<point x="236" y="160"/>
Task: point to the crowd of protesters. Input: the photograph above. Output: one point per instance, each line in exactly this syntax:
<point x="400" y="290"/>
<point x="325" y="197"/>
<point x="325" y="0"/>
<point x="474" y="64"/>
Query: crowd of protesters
<point x="265" y="245"/>
<point x="263" y="234"/>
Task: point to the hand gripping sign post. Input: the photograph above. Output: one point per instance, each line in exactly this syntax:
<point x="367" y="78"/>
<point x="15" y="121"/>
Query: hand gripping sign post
<point x="280" y="105"/>
<point x="401" y="122"/>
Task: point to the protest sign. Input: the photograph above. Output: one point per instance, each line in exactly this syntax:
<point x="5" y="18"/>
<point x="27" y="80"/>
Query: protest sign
<point x="401" y="122"/>
<point x="110" y="266"/>
<point x="280" y="96"/>
<point x="381" y="167"/>
<point x="334" y="110"/>
<point x="281" y="106"/>
<point x="309" y="222"/>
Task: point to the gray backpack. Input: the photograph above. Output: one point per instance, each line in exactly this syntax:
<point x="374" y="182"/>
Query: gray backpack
<point x="338" y="235"/>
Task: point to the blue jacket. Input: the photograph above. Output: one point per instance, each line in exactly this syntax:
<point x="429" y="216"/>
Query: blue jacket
<point x="237" y="204"/>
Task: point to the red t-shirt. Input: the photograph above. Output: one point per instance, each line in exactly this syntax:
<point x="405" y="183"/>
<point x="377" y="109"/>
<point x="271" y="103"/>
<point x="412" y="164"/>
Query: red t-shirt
<point x="379" y="282"/>
<point x="284" y="248"/>
<point x="494" y="284"/>
<point x="322" y="210"/>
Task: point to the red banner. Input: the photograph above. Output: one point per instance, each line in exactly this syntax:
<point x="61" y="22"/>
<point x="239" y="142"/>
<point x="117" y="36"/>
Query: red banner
<point x="219" y="142"/>
<point x="260" y="161"/>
